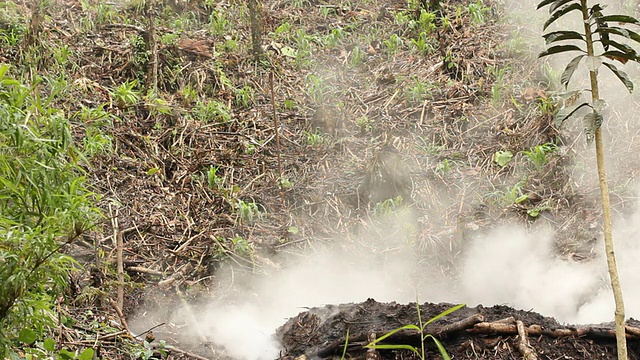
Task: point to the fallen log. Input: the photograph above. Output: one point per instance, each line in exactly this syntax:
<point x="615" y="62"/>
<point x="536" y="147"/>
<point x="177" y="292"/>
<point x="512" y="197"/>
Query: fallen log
<point x="501" y="328"/>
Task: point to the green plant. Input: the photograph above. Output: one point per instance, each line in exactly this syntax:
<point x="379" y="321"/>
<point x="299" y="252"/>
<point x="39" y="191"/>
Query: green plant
<point x="188" y="93"/>
<point x="422" y="44"/>
<point x="212" y="111"/>
<point x="44" y="204"/>
<point x="241" y="246"/>
<point x="125" y="94"/>
<point x="304" y="44"/>
<point x="443" y="167"/>
<point x="289" y="104"/>
<point x="316" y="88"/>
<point x="512" y="196"/>
<point x="418" y="91"/>
<point x="393" y="44"/>
<point x="213" y="179"/>
<point x="535" y="211"/>
<point x="420" y="328"/>
<point x="502" y="158"/>
<point x="355" y="57"/>
<point x="169" y="39"/>
<point x="426" y="21"/>
<point x="605" y="31"/>
<point x="344" y="348"/>
<point x="538" y="154"/>
<point x="218" y="23"/>
<point x="334" y="37"/>
<point x="314" y="138"/>
<point x="388" y="206"/>
<point x="248" y="212"/>
<point x="96" y="142"/>
<point x="364" y="123"/>
<point x="244" y="96"/>
<point x="478" y="11"/>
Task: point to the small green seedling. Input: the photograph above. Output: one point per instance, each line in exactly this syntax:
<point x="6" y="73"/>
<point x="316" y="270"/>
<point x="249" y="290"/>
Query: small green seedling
<point x="377" y="343"/>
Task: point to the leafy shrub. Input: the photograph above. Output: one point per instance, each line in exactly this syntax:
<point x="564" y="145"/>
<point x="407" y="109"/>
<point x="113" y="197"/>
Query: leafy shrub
<point x="44" y="204"/>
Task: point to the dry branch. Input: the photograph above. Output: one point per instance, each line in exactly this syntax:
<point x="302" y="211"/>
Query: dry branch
<point x="523" y="345"/>
<point x="499" y="328"/>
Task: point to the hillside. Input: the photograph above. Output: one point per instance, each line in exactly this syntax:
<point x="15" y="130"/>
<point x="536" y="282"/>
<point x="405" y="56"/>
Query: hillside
<point x="401" y="136"/>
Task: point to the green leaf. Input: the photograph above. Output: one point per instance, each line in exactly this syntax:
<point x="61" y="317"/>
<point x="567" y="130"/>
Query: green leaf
<point x="625" y="19"/>
<point x="502" y="158"/>
<point x="66" y="354"/>
<point x="556" y="4"/>
<point x="87" y="354"/>
<point x="548" y="2"/>
<point x="623" y="57"/>
<point x="396" y="347"/>
<point x="559" y="49"/>
<point x="569" y="70"/>
<point x="27" y="336"/>
<point x="622" y="47"/>
<point x="405" y="327"/>
<point x="289" y="51"/>
<point x="441" y="349"/>
<point x="558" y="14"/>
<point x="562" y="35"/>
<point x="620" y="31"/>
<point x="49" y="344"/>
<point x="566" y="113"/>
<point x="152" y="171"/>
<point x="445" y="313"/>
<point x="621" y="75"/>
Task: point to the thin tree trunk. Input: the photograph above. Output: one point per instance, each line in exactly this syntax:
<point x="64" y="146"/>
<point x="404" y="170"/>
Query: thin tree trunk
<point x="35" y="25"/>
<point x="256" y="28"/>
<point x="606" y="203"/>
<point x="152" y="46"/>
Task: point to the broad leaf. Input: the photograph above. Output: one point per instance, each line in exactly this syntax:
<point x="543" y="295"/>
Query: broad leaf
<point x="547" y="2"/>
<point x="623" y="57"/>
<point x="27" y="336"/>
<point x="621" y="75"/>
<point x="625" y="19"/>
<point x="562" y="35"/>
<point x="569" y="70"/>
<point x="559" y="49"/>
<point x="566" y="113"/>
<point x="622" y="47"/>
<point x="557" y="4"/>
<point x="87" y="354"/>
<point x="620" y="31"/>
<point x="558" y="14"/>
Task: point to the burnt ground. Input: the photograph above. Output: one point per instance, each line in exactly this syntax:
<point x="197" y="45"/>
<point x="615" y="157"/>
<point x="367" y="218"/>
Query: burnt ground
<point x="373" y="117"/>
<point x="467" y="333"/>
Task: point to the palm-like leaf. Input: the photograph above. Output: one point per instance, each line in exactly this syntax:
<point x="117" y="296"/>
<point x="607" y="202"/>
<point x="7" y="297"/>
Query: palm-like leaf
<point x="560" y="13"/>
<point x="562" y="35"/>
<point x="560" y="49"/>
<point x="570" y="69"/>
<point x="621" y="75"/>
<point x="566" y="113"/>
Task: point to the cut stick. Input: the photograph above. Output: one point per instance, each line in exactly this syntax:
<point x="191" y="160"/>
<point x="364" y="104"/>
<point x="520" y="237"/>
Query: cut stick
<point x="526" y="350"/>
